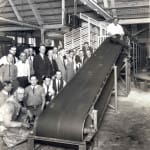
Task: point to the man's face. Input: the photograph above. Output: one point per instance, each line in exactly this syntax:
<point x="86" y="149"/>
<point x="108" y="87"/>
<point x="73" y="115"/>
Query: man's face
<point x="10" y="58"/>
<point x="116" y="21"/>
<point x="30" y="51"/>
<point x="58" y="75"/>
<point x="23" y="57"/>
<point x="26" y="51"/>
<point x="47" y="81"/>
<point x="13" y="51"/>
<point x="33" y="81"/>
<point x="8" y="88"/>
<point x="86" y="45"/>
<point x="88" y="53"/>
<point x="20" y="95"/>
<point x="71" y="54"/>
<point x="81" y="54"/>
<point x="42" y="49"/>
<point x="50" y="53"/>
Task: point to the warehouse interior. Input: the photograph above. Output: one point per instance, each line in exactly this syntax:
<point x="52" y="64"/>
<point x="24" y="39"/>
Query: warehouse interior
<point x="105" y="104"/>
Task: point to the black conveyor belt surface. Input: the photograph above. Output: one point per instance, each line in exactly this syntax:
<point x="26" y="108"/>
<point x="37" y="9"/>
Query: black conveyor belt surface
<point x="65" y="118"/>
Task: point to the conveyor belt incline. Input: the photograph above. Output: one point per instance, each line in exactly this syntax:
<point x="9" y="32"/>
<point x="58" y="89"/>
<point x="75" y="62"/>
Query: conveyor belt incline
<point x="65" y="118"/>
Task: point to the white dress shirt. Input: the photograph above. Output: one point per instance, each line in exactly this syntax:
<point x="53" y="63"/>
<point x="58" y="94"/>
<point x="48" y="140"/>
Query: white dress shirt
<point x="4" y="61"/>
<point x="50" y="91"/>
<point x="23" y="69"/>
<point x="113" y="29"/>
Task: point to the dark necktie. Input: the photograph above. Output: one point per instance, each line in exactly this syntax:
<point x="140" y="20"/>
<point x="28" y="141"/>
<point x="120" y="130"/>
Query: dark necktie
<point x="64" y="64"/>
<point x="9" y="71"/>
<point x="14" y="59"/>
<point x="47" y="89"/>
<point x="33" y="89"/>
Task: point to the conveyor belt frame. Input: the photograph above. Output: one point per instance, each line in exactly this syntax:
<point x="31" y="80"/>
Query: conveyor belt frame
<point x="81" y="145"/>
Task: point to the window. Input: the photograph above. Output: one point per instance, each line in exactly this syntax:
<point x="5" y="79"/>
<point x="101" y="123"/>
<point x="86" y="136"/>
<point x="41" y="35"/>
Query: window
<point x="32" y="41"/>
<point x="20" y="40"/>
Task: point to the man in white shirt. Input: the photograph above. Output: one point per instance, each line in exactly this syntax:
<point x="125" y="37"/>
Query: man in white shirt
<point x="4" y="60"/>
<point x="35" y="97"/>
<point x="23" y="70"/>
<point x="5" y="92"/>
<point x="9" y="113"/>
<point x="115" y="30"/>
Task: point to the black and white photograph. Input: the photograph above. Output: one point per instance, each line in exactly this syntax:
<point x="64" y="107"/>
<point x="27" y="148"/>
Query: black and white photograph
<point x="74" y="74"/>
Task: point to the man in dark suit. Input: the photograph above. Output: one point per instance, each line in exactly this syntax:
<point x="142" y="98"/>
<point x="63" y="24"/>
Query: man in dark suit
<point x="58" y="83"/>
<point x="41" y="64"/>
<point x="53" y="65"/>
<point x="87" y="47"/>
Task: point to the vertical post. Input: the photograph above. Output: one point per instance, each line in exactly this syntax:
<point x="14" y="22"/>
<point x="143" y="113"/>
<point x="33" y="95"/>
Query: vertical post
<point x="72" y="37"/>
<point x="30" y="143"/>
<point x="89" y="31"/>
<point x="63" y="12"/>
<point x="42" y="35"/>
<point x="133" y="58"/>
<point x="136" y="55"/>
<point x="75" y="7"/>
<point x="127" y="75"/>
<point x="80" y="38"/>
<point x="115" y="88"/>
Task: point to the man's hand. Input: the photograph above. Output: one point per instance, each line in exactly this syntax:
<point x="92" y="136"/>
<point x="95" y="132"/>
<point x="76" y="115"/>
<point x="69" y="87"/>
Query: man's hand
<point x="25" y="125"/>
<point x="29" y="114"/>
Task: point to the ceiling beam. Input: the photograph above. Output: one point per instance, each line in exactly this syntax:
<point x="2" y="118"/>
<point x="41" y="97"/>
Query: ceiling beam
<point x="15" y="10"/>
<point x="35" y="12"/>
<point x="19" y="23"/>
<point x="3" y="29"/>
<point x="127" y="7"/>
<point x="134" y="21"/>
<point x="94" y="6"/>
<point x="133" y="4"/>
<point x="54" y="26"/>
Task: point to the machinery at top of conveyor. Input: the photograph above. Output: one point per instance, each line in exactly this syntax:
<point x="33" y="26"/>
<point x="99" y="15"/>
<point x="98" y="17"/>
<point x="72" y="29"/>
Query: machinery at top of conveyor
<point x="78" y="109"/>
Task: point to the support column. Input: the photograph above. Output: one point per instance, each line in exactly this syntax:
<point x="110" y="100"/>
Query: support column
<point x="42" y="36"/>
<point x="127" y="75"/>
<point x="89" y="31"/>
<point x="115" y="88"/>
<point x="63" y="12"/>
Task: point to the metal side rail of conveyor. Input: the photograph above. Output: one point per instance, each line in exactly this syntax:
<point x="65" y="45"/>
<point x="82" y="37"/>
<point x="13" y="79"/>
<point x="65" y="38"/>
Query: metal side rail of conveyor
<point x="73" y="112"/>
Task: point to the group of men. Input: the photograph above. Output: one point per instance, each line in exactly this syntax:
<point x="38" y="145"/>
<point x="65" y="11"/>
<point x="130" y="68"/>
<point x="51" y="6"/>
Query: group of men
<point x="31" y="81"/>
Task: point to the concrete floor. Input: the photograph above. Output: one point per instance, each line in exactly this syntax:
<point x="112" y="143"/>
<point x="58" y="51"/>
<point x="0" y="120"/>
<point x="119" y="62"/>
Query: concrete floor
<point x="129" y="129"/>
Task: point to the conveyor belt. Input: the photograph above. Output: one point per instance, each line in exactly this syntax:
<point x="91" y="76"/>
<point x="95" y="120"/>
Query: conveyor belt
<point x="65" y="118"/>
